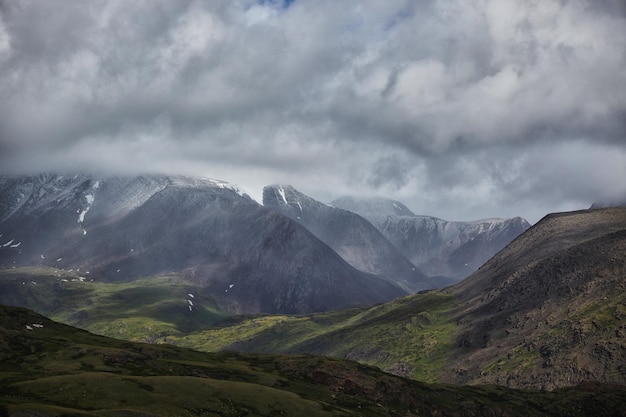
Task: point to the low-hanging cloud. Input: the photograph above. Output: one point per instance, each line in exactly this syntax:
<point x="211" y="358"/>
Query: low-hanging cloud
<point x="459" y="108"/>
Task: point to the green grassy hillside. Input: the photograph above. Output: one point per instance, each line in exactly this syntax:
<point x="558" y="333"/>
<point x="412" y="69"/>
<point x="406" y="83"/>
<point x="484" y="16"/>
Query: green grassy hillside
<point x="145" y="310"/>
<point x="50" y="369"/>
<point x="410" y="336"/>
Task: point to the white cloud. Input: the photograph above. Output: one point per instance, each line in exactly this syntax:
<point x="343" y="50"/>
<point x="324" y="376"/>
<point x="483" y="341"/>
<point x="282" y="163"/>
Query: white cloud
<point x="456" y="107"/>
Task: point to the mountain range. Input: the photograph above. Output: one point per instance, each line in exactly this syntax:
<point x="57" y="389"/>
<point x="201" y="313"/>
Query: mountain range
<point x="175" y="260"/>
<point x="207" y="233"/>
<point x="447" y="250"/>
<point x="547" y="311"/>
<point x="291" y="255"/>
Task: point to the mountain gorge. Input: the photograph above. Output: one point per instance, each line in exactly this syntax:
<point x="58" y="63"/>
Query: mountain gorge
<point x="446" y="250"/>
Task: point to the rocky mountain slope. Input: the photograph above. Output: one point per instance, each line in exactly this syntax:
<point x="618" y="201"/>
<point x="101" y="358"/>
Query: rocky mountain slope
<point x="49" y="369"/>
<point x="550" y="309"/>
<point x="448" y="250"/>
<point x="203" y="231"/>
<point x="351" y="236"/>
<point x="547" y="311"/>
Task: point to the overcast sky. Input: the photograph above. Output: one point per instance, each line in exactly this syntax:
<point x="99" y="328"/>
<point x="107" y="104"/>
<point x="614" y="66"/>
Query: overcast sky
<point x="460" y="109"/>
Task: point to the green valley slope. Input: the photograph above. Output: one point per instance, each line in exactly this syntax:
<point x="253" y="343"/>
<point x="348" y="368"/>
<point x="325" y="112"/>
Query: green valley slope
<point x="50" y="369"/>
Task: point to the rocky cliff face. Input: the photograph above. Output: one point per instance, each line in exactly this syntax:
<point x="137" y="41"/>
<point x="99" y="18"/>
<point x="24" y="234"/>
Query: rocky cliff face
<point x="350" y="235"/>
<point x="120" y="229"/>
<point x="446" y="249"/>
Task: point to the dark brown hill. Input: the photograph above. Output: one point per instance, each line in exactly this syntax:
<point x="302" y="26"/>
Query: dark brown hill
<point x="550" y="309"/>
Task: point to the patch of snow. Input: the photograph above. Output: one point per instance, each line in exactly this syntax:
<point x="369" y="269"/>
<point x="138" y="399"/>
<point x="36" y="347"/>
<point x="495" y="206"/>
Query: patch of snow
<point x="89" y="198"/>
<point x="191" y="295"/>
<point x="190" y="308"/>
<point x="132" y="250"/>
<point x="16" y="245"/>
<point x="231" y="285"/>
<point x="42" y="257"/>
<point x="299" y="205"/>
<point x="84" y="232"/>
<point x="190" y="302"/>
<point x="81" y="216"/>
<point x="282" y="194"/>
<point x="96" y="185"/>
<point x="118" y="270"/>
<point x="28" y="327"/>
<point x="8" y="243"/>
<point x="59" y="259"/>
<point x="37" y="325"/>
<point x="33" y="282"/>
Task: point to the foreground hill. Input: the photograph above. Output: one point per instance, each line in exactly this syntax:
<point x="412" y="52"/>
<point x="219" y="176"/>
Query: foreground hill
<point x="355" y="239"/>
<point x="49" y="369"/>
<point x="203" y="233"/>
<point x="548" y="311"/>
<point x="445" y="250"/>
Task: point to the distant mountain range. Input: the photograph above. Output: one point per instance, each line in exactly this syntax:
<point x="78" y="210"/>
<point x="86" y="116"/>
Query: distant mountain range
<point x="292" y="255"/>
<point x="447" y="250"/>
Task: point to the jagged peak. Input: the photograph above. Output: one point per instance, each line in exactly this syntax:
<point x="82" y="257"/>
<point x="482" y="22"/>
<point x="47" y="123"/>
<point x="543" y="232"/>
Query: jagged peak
<point x="277" y="195"/>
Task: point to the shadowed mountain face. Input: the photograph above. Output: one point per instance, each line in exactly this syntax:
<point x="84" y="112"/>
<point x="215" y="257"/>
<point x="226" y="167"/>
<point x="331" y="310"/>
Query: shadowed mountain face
<point x="121" y="229"/>
<point x="350" y="235"/>
<point x="448" y="250"/>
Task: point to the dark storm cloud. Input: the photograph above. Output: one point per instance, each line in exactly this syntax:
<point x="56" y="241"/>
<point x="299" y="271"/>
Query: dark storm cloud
<point x="460" y="109"/>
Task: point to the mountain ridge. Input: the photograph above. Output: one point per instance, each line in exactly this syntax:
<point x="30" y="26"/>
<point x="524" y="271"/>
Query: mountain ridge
<point x="350" y="235"/>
